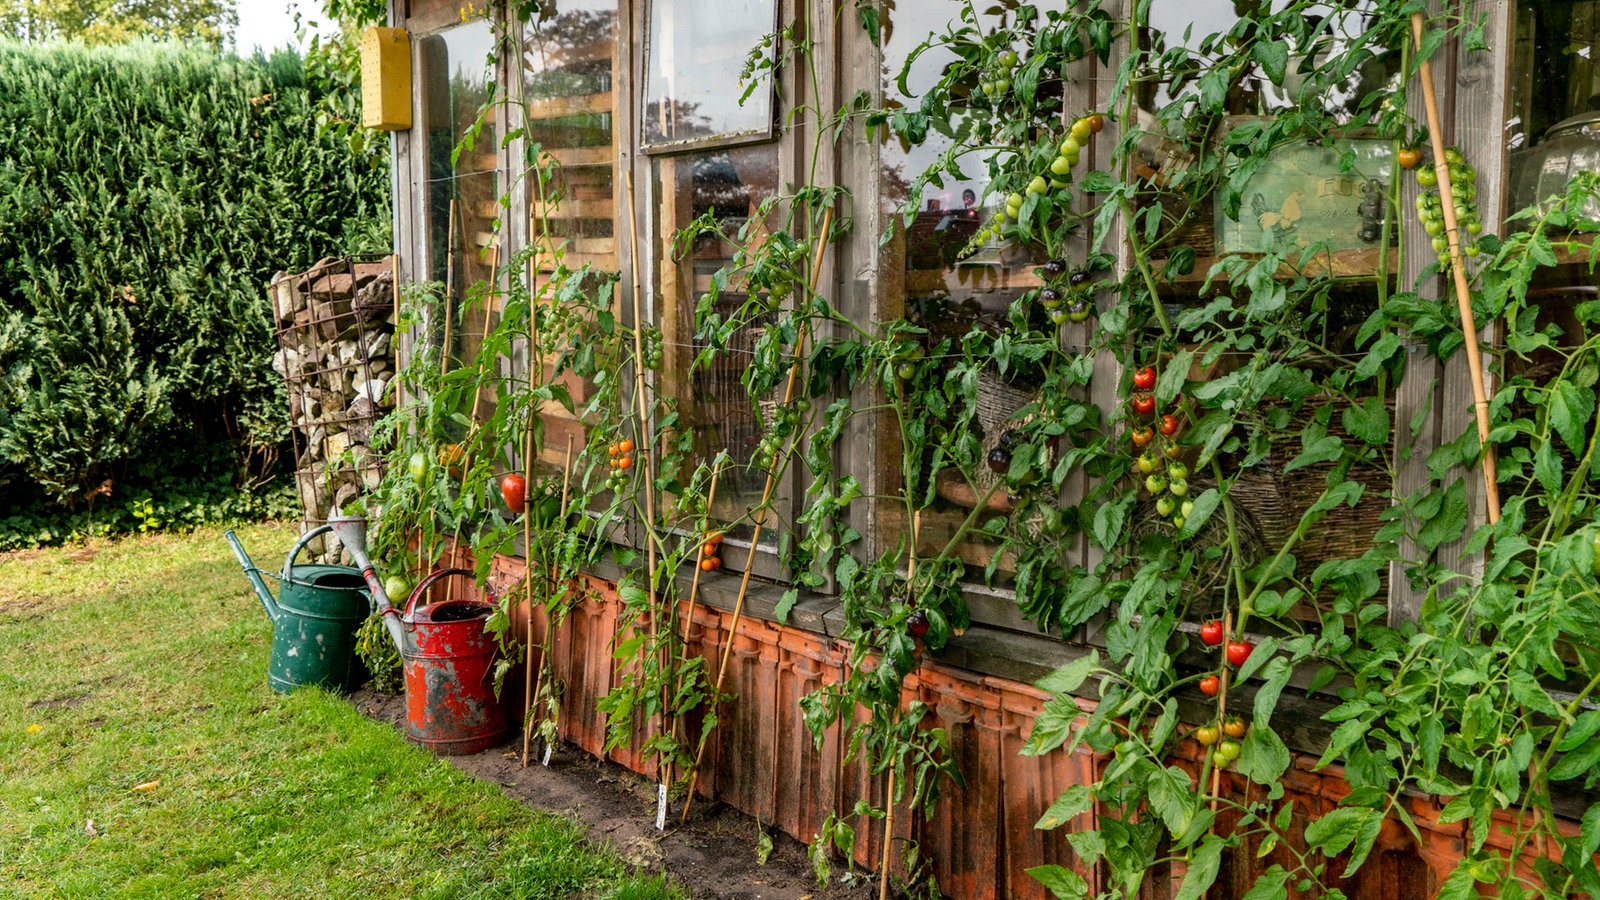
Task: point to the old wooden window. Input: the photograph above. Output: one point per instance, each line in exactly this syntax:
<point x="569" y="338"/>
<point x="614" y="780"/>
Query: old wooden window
<point x="699" y="86"/>
<point x="569" y="61"/>
<point x="731" y="184"/>
<point x="460" y="141"/>
<point x="935" y="277"/>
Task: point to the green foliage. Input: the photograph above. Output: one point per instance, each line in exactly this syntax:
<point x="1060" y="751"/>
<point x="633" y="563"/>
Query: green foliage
<point x="112" y="22"/>
<point x="1266" y="363"/>
<point x="148" y="195"/>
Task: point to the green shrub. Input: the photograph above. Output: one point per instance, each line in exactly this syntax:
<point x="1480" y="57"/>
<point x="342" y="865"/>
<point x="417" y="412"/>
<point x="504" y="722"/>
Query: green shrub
<point x="147" y="195"/>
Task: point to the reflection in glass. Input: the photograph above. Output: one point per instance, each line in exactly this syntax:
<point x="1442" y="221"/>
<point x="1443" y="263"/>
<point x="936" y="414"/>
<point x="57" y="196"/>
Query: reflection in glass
<point x="945" y="292"/>
<point x="457" y="70"/>
<point x="568" y="61"/>
<point x="1334" y="28"/>
<point x="713" y="402"/>
<point x="1555" y="70"/>
<point x="567" y="71"/>
<point x="694" y="64"/>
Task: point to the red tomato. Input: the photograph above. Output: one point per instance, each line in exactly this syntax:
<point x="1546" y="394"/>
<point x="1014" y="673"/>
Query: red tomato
<point x="1142" y="436"/>
<point x="1239" y="651"/>
<point x="1169" y="425"/>
<point x="1209" y="685"/>
<point x="514" y="488"/>
<point x="1145" y="378"/>
<point x="1144" y="404"/>
<point x="1211" y="632"/>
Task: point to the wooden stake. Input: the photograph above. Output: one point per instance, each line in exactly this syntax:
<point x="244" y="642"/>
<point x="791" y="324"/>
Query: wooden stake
<point x="761" y="511"/>
<point x="888" y="804"/>
<point x="694" y="593"/>
<point x="529" y="686"/>
<point x="1469" y="328"/>
<point x="645" y="448"/>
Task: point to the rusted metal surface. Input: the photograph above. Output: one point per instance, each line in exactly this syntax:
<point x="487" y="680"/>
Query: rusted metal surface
<point x="448" y="663"/>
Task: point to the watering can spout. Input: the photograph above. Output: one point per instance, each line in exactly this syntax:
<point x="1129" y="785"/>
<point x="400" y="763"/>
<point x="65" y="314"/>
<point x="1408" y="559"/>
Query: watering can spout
<point x="254" y="574"/>
<point x="352" y="533"/>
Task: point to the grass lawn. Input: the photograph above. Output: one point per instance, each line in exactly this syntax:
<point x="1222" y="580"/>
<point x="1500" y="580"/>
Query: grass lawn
<point x="133" y="695"/>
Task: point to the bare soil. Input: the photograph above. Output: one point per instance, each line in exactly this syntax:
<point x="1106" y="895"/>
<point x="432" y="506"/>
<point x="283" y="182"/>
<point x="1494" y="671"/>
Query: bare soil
<point x="713" y="855"/>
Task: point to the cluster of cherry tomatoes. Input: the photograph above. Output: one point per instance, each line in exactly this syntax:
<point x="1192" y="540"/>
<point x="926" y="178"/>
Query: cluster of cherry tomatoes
<point x="1160" y="460"/>
<point x="652" y="340"/>
<point x="1214" y="634"/>
<point x="1057" y="176"/>
<point x="711" y="552"/>
<point x="621" y="454"/>
<point x="1224" y="736"/>
<point x="1065" y="299"/>
<point x="1430" y="205"/>
<point x="785" y="420"/>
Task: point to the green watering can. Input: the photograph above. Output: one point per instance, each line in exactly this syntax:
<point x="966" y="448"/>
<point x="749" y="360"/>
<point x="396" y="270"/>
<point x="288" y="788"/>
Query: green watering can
<point x="314" y="619"/>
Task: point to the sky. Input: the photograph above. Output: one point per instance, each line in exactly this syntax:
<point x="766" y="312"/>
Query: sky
<point x="269" y="24"/>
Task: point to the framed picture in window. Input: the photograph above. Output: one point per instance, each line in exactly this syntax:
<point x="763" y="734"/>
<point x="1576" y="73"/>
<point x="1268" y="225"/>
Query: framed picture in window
<point x="708" y="73"/>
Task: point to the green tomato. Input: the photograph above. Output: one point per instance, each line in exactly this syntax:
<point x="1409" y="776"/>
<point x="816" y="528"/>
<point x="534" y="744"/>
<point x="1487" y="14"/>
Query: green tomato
<point x="1166" y="505"/>
<point x="1427" y="177"/>
<point x="1154" y="483"/>
<point x="1177" y="470"/>
<point x="1071" y="146"/>
<point x="1006" y="59"/>
<point x="1179" y="486"/>
<point x="1147" y="464"/>
<point x="417" y="465"/>
<point x="1060" y="166"/>
<point x="1186" y="508"/>
<point x="1038" y="185"/>
<point x="1081" y="130"/>
<point x="1228" y="750"/>
<point x="398" y="589"/>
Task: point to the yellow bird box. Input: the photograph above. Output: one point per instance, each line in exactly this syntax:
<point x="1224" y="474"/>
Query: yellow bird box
<point x="386" y="79"/>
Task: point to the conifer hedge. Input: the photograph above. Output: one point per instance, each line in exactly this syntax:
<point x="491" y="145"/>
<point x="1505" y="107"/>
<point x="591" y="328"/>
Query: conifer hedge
<point x="147" y="195"/>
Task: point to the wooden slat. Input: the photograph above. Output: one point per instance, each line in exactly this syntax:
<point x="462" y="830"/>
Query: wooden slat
<point x="583" y="156"/>
<point x="576" y="104"/>
<point x="575" y="208"/>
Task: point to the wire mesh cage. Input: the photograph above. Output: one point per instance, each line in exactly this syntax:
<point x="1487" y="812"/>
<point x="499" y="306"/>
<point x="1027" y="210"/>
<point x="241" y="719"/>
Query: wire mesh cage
<point x="335" y="325"/>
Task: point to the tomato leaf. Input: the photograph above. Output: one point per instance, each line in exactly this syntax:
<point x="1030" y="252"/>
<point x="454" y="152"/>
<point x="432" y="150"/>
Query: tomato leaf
<point x="1368" y="421"/>
<point x="1203" y="867"/>
<point x="1272" y="885"/>
<point x="1570" y="410"/>
<point x="1063" y="883"/>
<point x="1073" y="802"/>
<point x="1337" y="830"/>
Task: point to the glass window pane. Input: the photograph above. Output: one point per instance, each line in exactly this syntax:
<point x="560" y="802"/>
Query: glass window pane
<point x="1333" y="28"/>
<point x="693" y="64"/>
<point x="712" y="399"/>
<point x="946" y="288"/>
<point x="568" y="65"/>
<point x="457" y="73"/>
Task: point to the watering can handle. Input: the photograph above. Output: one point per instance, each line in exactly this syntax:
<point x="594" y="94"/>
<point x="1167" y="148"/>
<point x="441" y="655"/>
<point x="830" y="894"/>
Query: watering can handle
<point x="288" y="564"/>
<point x="421" y="589"/>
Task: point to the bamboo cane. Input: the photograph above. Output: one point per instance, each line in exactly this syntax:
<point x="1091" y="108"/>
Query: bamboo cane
<point x="761" y="511"/>
<point x="647" y="468"/>
<point x="1469" y="328"/>
<point x="472" y="430"/>
<point x="888" y="803"/>
<point x="529" y="686"/>
<point x="694" y="593"/>
<point x="550" y="583"/>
